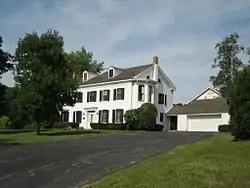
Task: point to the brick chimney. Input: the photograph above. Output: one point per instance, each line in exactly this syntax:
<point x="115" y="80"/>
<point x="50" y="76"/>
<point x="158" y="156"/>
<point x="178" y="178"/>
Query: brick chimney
<point x="155" y="60"/>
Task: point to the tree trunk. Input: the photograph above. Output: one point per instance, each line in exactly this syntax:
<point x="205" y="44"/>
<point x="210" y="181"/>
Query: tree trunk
<point x="38" y="128"/>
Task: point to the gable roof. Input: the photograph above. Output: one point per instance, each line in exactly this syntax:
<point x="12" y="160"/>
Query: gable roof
<point x="218" y="105"/>
<point x="204" y="91"/>
<point x="127" y="73"/>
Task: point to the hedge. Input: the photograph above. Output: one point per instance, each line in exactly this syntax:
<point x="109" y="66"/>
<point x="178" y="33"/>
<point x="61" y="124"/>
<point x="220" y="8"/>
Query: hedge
<point x="224" y="128"/>
<point x="113" y="126"/>
<point x="61" y="125"/>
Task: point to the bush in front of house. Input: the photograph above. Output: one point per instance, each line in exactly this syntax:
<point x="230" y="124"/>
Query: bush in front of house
<point x="147" y="116"/>
<point x="110" y="126"/>
<point x="239" y="105"/>
<point x="5" y="122"/>
<point x="63" y="125"/>
<point x="131" y="118"/>
<point x="224" y="128"/>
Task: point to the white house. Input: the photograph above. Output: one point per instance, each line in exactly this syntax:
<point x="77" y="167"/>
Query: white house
<point x="106" y="97"/>
<point x="205" y="113"/>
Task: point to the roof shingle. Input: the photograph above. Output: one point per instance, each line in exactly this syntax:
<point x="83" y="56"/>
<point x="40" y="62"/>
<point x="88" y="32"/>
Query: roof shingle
<point x="218" y="105"/>
<point x="127" y="73"/>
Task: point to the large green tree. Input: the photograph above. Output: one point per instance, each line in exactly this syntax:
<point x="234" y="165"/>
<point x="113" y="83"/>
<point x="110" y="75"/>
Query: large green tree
<point x="239" y="105"/>
<point x="43" y="77"/>
<point x="5" y="60"/>
<point x="82" y="60"/>
<point x="5" y="65"/>
<point x="228" y="62"/>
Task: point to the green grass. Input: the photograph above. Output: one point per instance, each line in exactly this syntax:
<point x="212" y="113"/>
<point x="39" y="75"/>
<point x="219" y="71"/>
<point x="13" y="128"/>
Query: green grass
<point x="214" y="163"/>
<point x="47" y="136"/>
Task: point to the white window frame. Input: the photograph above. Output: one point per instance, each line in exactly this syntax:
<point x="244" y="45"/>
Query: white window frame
<point x="141" y="96"/>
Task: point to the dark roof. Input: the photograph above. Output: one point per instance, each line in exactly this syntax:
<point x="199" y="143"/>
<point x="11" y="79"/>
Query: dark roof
<point x="127" y="73"/>
<point x="217" y="105"/>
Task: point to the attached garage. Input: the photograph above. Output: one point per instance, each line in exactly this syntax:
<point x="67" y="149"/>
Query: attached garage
<point x="203" y="122"/>
<point x="200" y="115"/>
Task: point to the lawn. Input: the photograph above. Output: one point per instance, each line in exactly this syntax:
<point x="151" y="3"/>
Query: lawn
<point x="51" y="136"/>
<point x="215" y="163"/>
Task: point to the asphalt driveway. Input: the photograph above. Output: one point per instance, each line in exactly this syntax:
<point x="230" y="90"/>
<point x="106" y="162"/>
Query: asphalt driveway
<point x="72" y="163"/>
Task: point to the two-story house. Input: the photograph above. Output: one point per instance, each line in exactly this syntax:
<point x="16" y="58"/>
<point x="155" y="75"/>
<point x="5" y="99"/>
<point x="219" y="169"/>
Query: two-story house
<point x="107" y="96"/>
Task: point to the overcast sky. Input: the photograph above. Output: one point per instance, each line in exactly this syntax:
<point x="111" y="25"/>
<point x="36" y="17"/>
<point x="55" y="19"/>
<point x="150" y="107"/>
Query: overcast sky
<point x="130" y="32"/>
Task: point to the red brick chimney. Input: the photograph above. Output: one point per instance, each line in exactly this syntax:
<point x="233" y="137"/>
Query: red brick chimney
<point x="155" y="60"/>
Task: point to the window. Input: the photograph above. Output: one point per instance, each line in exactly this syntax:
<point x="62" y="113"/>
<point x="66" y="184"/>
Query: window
<point x="160" y="98"/>
<point x="104" y="95"/>
<point x="78" y="97"/>
<point x="91" y="96"/>
<point x="159" y="80"/>
<point x="65" y="116"/>
<point x="104" y="116"/>
<point x="148" y="77"/>
<point x="85" y="76"/>
<point x="117" y="116"/>
<point x="165" y="100"/>
<point x="118" y="94"/>
<point x="150" y="92"/>
<point x="111" y="73"/>
<point x="141" y="93"/>
<point x="78" y="116"/>
<point x="161" y="117"/>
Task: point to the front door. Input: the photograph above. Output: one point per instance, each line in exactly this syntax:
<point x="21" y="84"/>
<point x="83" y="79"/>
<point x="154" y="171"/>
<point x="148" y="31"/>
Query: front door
<point x="90" y="119"/>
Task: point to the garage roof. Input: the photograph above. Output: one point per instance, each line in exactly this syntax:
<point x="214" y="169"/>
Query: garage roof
<point x="218" y="105"/>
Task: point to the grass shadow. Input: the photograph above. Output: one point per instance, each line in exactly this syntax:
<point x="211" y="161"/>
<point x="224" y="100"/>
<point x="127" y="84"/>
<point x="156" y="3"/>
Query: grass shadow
<point x="8" y="142"/>
<point x="65" y="133"/>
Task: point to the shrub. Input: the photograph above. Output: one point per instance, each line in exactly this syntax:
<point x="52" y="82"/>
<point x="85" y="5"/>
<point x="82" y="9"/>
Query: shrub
<point x="157" y="127"/>
<point x="5" y="122"/>
<point x="132" y="119"/>
<point x="113" y="126"/>
<point x="63" y="125"/>
<point x="147" y="116"/>
<point x="239" y="105"/>
<point x="224" y="128"/>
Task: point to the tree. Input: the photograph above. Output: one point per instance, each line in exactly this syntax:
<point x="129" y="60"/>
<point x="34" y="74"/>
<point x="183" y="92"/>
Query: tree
<point x="43" y="78"/>
<point x="5" y="65"/>
<point x="239" y="105"/>
<point x="228" y="62"/>
<point x="82" y="60"/>
<point x="5" y="60"/>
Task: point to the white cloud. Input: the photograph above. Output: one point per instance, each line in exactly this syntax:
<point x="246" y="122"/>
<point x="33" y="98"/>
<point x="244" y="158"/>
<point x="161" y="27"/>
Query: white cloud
<point x="185" y="32"/>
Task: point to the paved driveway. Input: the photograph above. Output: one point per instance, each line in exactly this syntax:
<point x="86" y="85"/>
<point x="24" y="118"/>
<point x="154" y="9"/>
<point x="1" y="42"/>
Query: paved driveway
<point x="71" y="163"/>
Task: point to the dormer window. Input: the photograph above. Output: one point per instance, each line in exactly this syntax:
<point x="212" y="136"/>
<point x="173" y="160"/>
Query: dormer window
<point x="85" y="76"/>
<point x="111" y="73"/>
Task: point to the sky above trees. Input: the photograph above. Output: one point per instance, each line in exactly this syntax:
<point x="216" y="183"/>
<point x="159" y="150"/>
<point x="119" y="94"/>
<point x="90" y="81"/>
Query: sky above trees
<point x="125" y="33"/>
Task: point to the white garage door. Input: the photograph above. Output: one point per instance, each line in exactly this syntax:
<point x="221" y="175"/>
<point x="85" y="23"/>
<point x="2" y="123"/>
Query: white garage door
<point x="204" y="123"/>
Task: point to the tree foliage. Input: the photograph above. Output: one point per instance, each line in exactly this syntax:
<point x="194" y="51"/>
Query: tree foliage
<point x="43" y="77"/>
<point x="5" y="60"/>
<point x="82" y="60"/>
<point x="228" y="62"/>
<point x="239" y="105"/>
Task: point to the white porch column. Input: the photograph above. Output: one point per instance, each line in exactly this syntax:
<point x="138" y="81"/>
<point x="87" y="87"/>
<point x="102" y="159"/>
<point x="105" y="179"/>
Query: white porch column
<point x="146" y="92"/>
<point x="153" y="95"/>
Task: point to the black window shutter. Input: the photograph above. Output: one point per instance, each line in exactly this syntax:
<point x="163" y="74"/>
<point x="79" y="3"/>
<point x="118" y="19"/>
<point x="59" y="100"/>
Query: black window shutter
<point x="108" y="94"/>
<point x="100" y="95"/>
<point x="165" y="99"/>
<point x="88" y="97"/>
<point x="95" y="96"/>
<point x="100" y="116"/>
<point x="114" y="94"/>
<point x="159" y="98"/>
<point x="74" y="116"/>
<point x="122" y="111"/>
<point x="108" y="116"/>
<point x="113" y="116"/>
<point x="123" y="93"/>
